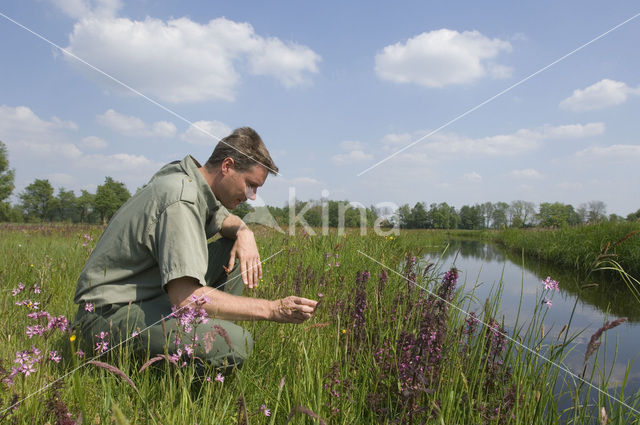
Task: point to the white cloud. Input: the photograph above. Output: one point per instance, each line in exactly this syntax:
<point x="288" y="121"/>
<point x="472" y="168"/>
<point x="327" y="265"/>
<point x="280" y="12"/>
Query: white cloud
<point x="206" y="132"/>
<point x="37" y="144"/>
<point x="611" y="153"/>
<point x="82" y="8"/>
<point x="26" y="133"/>
<point x="21" y="119"/>
<point x="570" y="186"/>
<point x="442" y="57"/>
<point x="527" y="173"/>
<point x="519" y="142"/>
<point x="120" y="162"/>
<point x="94" y="142"/>
<point x="184" y="61"/>
<point x="356" y="153"/>
<point x="572" y="131"/>
<point x="60" y="179"/>
<point x="134" y="127"/>
<point x="472" y="177"/>
<point x="603" y="94"/>
<point x="350" y="145"/>
<point x="353" y="156"/>
<point x="304" y="181"/>
<point x="287" y="63"/>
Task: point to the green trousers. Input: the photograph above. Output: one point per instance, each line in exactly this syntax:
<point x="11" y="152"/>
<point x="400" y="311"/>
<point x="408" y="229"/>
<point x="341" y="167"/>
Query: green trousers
<point x="219" y="343"/>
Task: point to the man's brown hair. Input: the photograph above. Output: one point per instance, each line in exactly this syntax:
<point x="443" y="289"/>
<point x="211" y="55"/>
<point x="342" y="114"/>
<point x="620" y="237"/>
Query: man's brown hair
<point x="246" y="148"/>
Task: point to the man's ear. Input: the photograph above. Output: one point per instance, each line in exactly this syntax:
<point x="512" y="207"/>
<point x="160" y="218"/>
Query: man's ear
<point x="227" y="165"/>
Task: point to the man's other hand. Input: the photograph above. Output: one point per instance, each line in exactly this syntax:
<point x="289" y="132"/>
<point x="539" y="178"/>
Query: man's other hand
<point x="292" y="309"/>
<point x="246" y="250"/>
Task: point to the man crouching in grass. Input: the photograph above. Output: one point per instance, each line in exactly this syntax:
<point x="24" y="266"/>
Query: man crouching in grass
<point x="154" y="255"/>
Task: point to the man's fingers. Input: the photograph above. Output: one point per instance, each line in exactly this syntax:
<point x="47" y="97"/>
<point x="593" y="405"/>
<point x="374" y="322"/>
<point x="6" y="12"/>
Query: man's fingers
<point x="305" y="301"/>
<point x="254" y="273"/>
<point x="230" y="264"/>
<point x="243" y="273"/>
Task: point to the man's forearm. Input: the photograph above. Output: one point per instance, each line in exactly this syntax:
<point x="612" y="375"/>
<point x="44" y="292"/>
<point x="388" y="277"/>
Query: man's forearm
<point x="231" y="226"/>
<point x="220" y="305"/>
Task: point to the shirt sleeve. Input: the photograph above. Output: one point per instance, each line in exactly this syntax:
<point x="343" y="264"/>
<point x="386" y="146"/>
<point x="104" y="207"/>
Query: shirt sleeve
<point x="180" y="243"/>
<point x="215" y="223"/>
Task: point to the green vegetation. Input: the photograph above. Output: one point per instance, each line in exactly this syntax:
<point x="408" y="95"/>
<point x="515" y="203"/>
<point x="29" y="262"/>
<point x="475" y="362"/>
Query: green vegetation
<point x="379" y="350"/>
<point x="579" y="248"/>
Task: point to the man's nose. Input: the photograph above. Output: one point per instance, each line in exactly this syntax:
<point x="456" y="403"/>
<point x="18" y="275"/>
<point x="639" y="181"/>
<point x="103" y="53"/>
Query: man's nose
<point x="250" y="193"/>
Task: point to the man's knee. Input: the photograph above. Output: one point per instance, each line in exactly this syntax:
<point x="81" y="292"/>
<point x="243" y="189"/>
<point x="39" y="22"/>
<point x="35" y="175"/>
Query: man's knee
<point x="227" y="344"/>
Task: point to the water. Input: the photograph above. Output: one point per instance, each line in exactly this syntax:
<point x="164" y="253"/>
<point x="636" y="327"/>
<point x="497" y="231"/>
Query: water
<point x="483" y="265"/>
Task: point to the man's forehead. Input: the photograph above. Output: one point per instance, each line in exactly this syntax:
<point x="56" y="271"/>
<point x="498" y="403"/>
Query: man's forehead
<point x="257" y="172"/>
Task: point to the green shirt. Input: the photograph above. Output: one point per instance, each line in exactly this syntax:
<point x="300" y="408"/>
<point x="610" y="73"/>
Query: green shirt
<point x="158" y="235"/>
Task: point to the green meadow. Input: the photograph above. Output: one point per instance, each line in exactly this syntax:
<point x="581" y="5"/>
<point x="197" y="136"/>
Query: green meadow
<point x="391" y="342"/>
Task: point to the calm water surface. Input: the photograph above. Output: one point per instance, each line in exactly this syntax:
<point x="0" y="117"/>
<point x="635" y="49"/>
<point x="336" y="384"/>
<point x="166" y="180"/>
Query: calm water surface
<point x="483" y="266"/>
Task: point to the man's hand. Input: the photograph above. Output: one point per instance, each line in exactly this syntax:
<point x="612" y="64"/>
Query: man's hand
<point x="246" y="249"/>
<point x="292" y="309"/>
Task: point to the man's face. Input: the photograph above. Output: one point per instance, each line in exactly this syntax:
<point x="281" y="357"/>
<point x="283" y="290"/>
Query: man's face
<point x="236" y="187"/>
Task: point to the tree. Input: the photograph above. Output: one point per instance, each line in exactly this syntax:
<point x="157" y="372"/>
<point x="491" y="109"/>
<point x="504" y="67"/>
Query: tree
<point x="37" y="200"/>
<point x="109" y="197"/>
<point x="521" y="212"/>
<point x="242" y="209"/>
<point x="443" y="216"/>
<point x="471" y="217"/>
<point x="85" y="204"/>
<point x="558" y="215"/>
<point x="487" y="213"/>
<point x="499" y="215"/>
<point x="597" y="211"/>
<point x="583" y="213"/>
<point x="419" y="218"/>
<point x="66" y="205"/>
<point x="404" y="216"/>
<point x="634" y="216"/>
<point x="615" y="218"/>
<point x="6" y="183"/>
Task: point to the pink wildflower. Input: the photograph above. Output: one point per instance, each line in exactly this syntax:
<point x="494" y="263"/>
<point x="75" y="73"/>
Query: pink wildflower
<point x="88" y="307"/>
<point x="220" y="378"/>
<point x="550" y="284"/>
<point x="54" y="356"/>
<point x="30" y="304"/>
<point x="102" y="346"/>
<point x="547" y="302"/>
<point x="264" y="410"/>
<point x="34" y="330"/>
<point x="17" y="290"/>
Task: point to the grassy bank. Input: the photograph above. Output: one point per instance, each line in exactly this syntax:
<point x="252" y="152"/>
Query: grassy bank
<point x="578" y="248"/>
<point x="379" y="350"/>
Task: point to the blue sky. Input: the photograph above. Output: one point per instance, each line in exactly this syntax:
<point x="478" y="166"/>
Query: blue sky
<point x="333" y="88"/>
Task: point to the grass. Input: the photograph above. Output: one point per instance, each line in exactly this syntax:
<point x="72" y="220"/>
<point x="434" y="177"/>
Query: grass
<point x="578" y="248"/>
<point x="377" y="351"/>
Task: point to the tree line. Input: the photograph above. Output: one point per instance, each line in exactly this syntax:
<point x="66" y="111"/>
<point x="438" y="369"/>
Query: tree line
<point x="39" y="202"/>
<point x="498" y="215"/>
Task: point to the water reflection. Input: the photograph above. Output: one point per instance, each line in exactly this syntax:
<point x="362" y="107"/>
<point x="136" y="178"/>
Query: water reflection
<point x="604" y="293"/>
<point x="591" y="301"/>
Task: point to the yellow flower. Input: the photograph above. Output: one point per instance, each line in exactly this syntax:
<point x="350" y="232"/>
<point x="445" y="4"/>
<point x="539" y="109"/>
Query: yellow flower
<point x="344" y="331"/>
<point x="31" y="265"/>
<point x="72" y="338"/>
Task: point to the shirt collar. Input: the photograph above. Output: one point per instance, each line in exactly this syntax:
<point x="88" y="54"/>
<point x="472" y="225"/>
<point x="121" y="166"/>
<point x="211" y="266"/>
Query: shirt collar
<point x="190" y="166"/>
